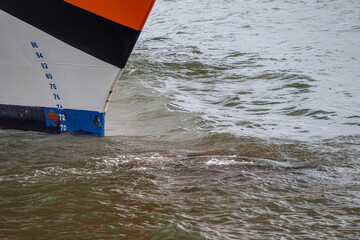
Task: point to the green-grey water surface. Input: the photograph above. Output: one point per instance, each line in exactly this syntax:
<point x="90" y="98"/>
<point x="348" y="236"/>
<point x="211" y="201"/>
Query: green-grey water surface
<point x="234" y="119"/>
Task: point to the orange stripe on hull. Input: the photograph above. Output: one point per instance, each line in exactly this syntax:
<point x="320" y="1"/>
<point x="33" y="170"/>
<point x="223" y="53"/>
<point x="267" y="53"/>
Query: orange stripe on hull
<point x="130" y="13"/>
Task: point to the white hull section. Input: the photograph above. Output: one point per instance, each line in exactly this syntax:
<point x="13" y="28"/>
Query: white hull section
<point x="39" y="70"/>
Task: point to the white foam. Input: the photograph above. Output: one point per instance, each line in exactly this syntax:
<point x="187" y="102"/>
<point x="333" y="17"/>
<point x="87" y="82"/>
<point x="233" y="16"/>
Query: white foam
<point x="226" y="162"/>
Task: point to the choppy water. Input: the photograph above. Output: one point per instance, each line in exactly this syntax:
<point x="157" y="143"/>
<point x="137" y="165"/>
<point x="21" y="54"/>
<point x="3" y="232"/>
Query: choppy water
<point x="234" y="119"/>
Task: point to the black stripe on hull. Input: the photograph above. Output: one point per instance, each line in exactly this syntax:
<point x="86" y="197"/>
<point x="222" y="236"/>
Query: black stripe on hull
<point x="95" y="35"/>
<point x="22" y="117"/>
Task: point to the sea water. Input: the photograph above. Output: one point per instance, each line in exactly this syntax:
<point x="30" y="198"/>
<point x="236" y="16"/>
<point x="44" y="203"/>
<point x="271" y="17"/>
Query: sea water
<point x="234" y="119"/>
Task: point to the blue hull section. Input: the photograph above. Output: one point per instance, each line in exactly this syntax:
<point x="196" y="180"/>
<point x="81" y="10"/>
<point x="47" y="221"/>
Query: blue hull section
<point x="52" y="119"/>
<point x="74" y="121"/>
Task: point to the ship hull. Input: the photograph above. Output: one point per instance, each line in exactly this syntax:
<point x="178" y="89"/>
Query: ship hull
<point x="59" y="65"/>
